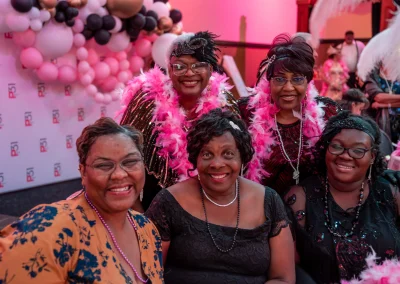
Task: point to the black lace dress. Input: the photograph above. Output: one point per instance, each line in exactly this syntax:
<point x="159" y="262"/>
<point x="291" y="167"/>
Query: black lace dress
<point x="328" y="259"/>
<point x="193" y="258"/>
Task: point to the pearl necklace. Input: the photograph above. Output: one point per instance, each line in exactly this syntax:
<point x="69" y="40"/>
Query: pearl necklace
<point x="113" y="237"/>
<point x="328" y="223"/>
<point x="222" y="205"/>
<point x="296" y="172"/>
<point x="237" y="222"/>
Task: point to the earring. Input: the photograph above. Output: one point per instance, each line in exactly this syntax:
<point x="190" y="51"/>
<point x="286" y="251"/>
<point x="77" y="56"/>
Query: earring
<point x="370" y="171"/>
<point x="141" y="195"/>
<point x="198" y="177"/>
<point x="241" y="171"/>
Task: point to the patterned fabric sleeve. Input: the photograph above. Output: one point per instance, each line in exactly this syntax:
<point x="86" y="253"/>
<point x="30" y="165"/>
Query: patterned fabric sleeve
<point x="40" y="247"/>
<point x="275" y="211"/>
<point x="159" y="214"/>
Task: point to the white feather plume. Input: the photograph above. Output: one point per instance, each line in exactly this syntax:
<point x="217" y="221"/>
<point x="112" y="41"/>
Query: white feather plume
<point x="392" y="58"/>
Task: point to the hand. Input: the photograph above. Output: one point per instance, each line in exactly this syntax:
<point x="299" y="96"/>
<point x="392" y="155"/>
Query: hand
<point x="375" y="105"/>
<point x="392" y="176"/>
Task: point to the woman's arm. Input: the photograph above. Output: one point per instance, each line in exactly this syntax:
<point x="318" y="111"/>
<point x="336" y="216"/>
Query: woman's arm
<point x="165" y="247"/>
<point x="282" y="258"/>
<point x="385" y="105"/>
<point x="387" y="98"/>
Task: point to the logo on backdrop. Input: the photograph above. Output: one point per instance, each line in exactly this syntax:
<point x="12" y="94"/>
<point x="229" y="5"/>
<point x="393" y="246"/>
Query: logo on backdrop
<point x="1" y="122"/>
<point x="14" y="149"/>
<point x="12" y="90"/>
<point x="57" y="169"/>
<point x="56" y="116"/>
<point x="67" y="90"/>
<point x="69" y="141"/>
<point x="81" y="114"/>
<point x="30" y="174"/>
<point x="103" y="111"/>
<point x="1" y="180"/>
<point x="28" y="118"/>
<point x="41" y="88"/>
<point x="43" y="145"/>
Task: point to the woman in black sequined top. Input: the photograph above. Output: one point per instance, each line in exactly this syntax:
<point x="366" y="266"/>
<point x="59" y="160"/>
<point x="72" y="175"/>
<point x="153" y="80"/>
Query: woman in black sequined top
<point x="348" y="208"/>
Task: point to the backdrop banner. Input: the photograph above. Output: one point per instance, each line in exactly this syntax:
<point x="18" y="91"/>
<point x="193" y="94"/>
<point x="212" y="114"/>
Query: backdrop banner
<point x="39" y="124"/>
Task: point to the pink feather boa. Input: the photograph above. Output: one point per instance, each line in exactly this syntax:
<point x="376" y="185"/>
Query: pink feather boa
<point x="169" y="117"/>
<point x="386" y="273"/>
<point x="262" y="125"/>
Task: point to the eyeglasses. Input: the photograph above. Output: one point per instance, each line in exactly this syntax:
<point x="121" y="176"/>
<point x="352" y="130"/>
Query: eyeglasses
<point x="295" y="81"/>
<point x="197" y="68"/>
<point x="108" y="167"/>
<point x="356" y="153"/>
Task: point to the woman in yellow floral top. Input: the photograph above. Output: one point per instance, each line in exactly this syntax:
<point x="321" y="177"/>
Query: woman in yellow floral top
<point x="94" y="237"/>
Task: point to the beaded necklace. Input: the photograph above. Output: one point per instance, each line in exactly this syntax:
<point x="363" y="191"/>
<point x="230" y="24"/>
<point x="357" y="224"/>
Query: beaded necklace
<point x="113" y="237"/>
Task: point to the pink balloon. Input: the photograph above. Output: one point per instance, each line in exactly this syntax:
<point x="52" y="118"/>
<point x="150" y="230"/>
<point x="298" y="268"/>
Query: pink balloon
<point x="152" y="37"/>
<point x="109" y="84"/>
<point x="25" y="39"/>
<point x="101" y="70"/>
<point x="17" y="22"/>
<point x="124" y="65"/>
<point x="121" y="55"/>
<point x="91" y="73"/>
<point x="31" y="58"/>
<point x="47" y="72"/>
<point x="86" y="80"/>
<point x="118" y="25"/>
<point x="79" y="40"/>
<point x="78" y="26"/>
<point x="36" y="25"/>
<point x="113" y="64"/>
<point x="67" y="74"/>
<point x="118" y="42"/>
<point x="137" y="63"/>
<point x="82" y="53"/>
<point x="161" y="9"/>
<point x="116" y="95"/>
<point x="54" y="40"/>
<point x="83" y="67"/>
<point x="99" y="97"/>
<point x="93" y="58"/>
<point x="91" y="90"/>
<point x="123" y="76"/>
<point x="107" y="99"/>
<point x="143" y="46"/>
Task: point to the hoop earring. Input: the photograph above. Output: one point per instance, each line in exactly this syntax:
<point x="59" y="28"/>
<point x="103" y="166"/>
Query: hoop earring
<point x="141" y="195"/>
<point x="370" y="172"/>
<point x="241" y="171"/>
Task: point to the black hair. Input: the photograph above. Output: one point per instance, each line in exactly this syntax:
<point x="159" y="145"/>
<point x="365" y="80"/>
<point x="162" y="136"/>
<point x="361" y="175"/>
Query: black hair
<point x="353" y="96"/>
<point x="214" y="124"/>
<point x="104" y="126"/>
<point x="346" y="120"/>
<point x="291" y="55"/>
<point x="349" y="33"/>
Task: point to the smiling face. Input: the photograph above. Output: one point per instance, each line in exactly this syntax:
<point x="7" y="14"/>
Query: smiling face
<point x="219" y="163"/>
<point x="288" y="96"/>
<point x="344" y="168"/>
<point x="190" y="84"/>
<point x="109" y="187"/>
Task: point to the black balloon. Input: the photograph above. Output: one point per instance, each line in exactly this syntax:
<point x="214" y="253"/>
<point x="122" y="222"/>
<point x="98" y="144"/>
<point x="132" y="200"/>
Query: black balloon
<point x="137" y="22"/>
<point x="143" y="11"/>
<point x="397" y="2"/>
<point x="71" y="13"/>
<point x="175" y="15"/>
<point x="123" y="26"/>
<point x="70" y="23"/>
<point x="36" y="4"/>
<point x="88" y="34"/>
<point x="108" y="22"/>
<point x="132" y="32"/>
<point x="151" y="13"/>
<point x="22" y="6"/>
<point x="60" y="17"/>
<point x="102" y="37"/>
<point x="164" y="1"/>
<point x="94" y="22"/>
<point x="62" y="6"/>
<point x="150" y="24"/>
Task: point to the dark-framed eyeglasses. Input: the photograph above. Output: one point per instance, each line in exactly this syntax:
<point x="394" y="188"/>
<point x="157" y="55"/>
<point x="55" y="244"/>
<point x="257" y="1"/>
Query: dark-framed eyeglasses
<point x="295" y="81"/>
<point x="180" y="69"/>
<point x="356" y="152"/>
<point x="108" y="167"/>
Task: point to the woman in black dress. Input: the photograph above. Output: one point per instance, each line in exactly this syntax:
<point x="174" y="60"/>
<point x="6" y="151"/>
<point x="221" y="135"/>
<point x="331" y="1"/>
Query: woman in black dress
<point x="219" y="227"/>
<point x="348" y="208"/>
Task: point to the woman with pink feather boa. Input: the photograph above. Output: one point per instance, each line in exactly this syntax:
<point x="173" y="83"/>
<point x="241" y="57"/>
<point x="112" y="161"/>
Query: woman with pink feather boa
<point x="164" y="107"/>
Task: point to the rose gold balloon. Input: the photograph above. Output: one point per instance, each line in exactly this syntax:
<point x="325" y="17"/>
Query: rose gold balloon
<point x="77" y="3"/>
<point x="165" y="24"/>
<point x="48" y="4"/>
<point x="124" y="8"/>
<point x="177" y="29"/>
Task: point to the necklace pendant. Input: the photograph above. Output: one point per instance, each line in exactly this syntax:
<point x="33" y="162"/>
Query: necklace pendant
<point x="296" y="176"/>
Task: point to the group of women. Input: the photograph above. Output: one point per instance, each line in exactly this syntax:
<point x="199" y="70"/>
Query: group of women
<point x="278" y="187"/>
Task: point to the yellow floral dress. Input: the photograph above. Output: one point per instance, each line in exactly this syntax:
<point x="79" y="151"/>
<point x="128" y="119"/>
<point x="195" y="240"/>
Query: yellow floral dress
<point x="65" y="242"/>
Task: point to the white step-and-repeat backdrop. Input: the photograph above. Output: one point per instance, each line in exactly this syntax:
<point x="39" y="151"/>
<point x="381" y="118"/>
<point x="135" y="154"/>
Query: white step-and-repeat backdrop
<point x="39" y="124"/>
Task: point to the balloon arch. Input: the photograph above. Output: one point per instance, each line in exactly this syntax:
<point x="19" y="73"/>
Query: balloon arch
<point x="100" y="44"/>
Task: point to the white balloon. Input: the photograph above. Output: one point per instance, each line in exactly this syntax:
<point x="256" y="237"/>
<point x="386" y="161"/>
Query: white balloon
<point x="118" y="25"/>
<point x="34" y="13"/>
<point x="102" y="2"/>
<point x="17" y="22"/>
<point x="44" y="15"/>
<point x="36" y="25"/>
<point x="118" y="42"/>
<point x="93" y="5"/>
<point x="160" y="48"/>
<point x="102" y="12"/>
<point x="147" y="4"/>
<point x="161" y="9"/>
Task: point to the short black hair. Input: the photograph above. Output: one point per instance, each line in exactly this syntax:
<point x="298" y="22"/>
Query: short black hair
<point x="349" y="33"/>
<point x="290" y="54"/>
<point x="333" y="127"/>
<point x="353" y="96"/>
<point x="105" y="126"/>
<point x="214" y="124"/>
